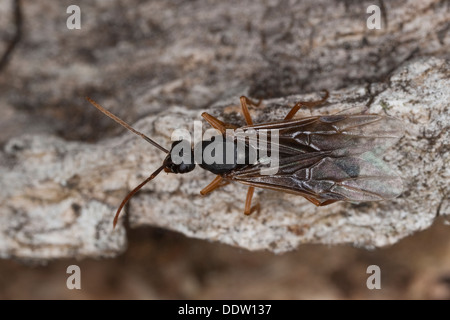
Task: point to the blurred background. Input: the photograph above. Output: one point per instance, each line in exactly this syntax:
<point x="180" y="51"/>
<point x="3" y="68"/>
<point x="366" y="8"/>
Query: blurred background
<point x="159" y="264"/>
<point x="141" y="57"/>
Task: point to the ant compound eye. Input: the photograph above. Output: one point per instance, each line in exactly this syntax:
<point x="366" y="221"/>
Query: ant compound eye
<point x="184" y="168"/>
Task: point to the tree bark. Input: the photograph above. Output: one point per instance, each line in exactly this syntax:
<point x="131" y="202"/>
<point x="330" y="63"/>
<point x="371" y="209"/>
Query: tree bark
<point x="65" y="168"/>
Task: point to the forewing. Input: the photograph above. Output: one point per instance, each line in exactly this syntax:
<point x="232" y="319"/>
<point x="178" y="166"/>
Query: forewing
<point x="344" y="135"/>
<point x="330" y="158"/>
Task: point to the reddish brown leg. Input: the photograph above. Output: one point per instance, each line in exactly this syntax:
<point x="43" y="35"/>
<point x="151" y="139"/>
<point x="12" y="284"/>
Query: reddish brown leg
<point x="244" y="102"/>
<point x="317" y="202"/>
<point x="248" y="202"/>
<point x="216" y="123"/>
<point x="308" y="104"/>
<point x="216" y="183"/>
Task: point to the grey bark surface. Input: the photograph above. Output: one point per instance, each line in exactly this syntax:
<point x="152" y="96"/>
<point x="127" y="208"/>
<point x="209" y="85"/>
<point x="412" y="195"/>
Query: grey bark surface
<point x="65" y="168"/>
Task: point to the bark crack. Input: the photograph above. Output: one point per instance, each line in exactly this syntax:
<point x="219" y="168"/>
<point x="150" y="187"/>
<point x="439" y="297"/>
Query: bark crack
<point x="17" y="13"/>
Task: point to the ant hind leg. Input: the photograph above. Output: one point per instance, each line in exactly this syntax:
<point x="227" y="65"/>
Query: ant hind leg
<point x="307" y="104"/>
<point x="248" y="202"/>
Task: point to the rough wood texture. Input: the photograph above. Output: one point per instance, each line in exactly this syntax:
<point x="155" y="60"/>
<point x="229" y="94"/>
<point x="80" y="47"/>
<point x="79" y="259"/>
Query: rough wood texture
<point x="60" y="196"/>
<point x="61" y="184"/>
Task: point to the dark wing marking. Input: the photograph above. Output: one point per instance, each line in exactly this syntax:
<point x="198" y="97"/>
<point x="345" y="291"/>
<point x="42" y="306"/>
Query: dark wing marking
<point x="330" y="158"/>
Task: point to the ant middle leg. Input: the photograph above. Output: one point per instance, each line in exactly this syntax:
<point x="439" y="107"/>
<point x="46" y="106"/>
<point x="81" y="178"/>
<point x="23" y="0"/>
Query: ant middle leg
<point x="215" y="184"/>
<point x="244" y="104"/>
<point x="318" y="203"/>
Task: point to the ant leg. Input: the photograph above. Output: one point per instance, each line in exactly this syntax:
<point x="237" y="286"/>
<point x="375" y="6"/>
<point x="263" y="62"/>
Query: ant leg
<point x="318" y="203"/>
<point x="248" y="202"/>
<point x="217" y="124"/>
<point x="327" y="202"/>
<point x="308" y="104"/>
<point x="244" y="102"/>
<point x="216" y="183"/>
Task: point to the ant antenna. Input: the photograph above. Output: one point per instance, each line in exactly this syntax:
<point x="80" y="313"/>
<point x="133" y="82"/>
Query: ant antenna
<point x="126" y="125"/>
<point x="128" y="197"/>
<point x="152" y="176"/>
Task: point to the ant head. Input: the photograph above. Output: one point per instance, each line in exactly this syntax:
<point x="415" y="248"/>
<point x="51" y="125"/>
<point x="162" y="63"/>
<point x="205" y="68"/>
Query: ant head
<point x="180" y="158"/>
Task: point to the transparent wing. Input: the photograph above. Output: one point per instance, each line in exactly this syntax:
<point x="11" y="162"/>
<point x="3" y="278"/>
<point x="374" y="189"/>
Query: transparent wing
<point x="342" y="134"/>
<point x="355" y="178"/>
<point x="330" y="158"/>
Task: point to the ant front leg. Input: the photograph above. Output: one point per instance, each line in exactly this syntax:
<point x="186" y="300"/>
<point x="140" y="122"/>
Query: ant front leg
<point x="244" y="102"/>
<point x="217" y="124"/>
